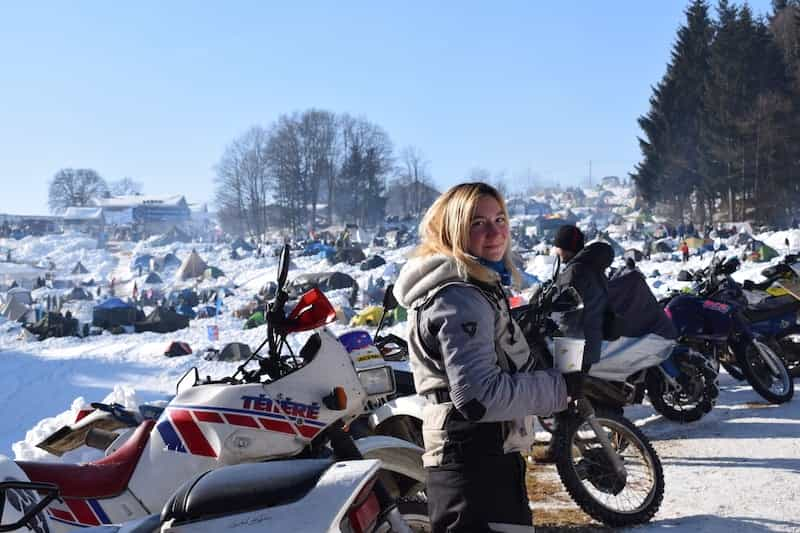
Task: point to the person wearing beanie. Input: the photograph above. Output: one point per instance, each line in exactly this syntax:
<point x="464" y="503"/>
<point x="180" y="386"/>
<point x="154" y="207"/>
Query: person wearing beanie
<point x="584" y="270"/>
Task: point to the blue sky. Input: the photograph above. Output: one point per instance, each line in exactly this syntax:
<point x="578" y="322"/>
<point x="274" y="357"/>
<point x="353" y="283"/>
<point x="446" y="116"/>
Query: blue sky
<point x="156" y="90"/>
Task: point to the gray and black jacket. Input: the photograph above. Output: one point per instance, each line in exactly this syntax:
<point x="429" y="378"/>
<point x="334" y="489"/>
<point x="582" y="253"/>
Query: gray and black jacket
<point x="463" y="341"/>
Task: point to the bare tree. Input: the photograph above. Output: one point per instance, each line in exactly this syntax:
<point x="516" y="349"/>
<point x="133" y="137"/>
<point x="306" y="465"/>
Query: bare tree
<point x="318" y="139"/>
<point x="414" y="175"/>
<point x="479" y="174"/>
<point x="244" y="181"/>
<point x="125" y="186"/>
<point x="75" y="187"/>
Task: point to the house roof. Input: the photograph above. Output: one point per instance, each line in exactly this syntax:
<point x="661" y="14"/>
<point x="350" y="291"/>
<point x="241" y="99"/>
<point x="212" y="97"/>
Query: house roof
<point x="142" y="200"/>
<point x="83" y="213"/>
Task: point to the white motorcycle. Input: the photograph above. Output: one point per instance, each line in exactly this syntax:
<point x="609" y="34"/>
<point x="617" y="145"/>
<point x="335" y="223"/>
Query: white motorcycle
<point x="285" y="407"/>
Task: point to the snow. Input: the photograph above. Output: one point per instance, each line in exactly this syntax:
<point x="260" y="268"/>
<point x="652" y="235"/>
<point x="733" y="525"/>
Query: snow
<point x="736" y="470"/>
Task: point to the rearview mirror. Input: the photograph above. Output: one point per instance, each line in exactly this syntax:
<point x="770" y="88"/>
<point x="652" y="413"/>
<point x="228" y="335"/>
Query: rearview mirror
<point x="389" y="301"/>
<point x="568" y="300"/>
<point x="189" y="380"/>
<point x="283" y="266"/>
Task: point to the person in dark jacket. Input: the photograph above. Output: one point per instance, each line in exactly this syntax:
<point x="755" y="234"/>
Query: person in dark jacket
<point x="585" y="271"/>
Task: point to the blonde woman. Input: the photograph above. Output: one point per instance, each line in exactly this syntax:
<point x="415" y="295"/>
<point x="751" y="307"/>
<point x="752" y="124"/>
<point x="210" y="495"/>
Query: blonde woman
<point x="471" y="361"/>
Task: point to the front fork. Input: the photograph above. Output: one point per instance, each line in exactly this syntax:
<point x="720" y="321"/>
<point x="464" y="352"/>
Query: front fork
<point x="586" y="412"/>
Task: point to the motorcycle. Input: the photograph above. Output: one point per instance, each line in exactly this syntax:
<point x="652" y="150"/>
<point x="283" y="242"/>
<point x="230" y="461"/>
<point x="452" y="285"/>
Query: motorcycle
<point x="608" y="466"/>
<point x="283" y="408"/>
<point x="715" y="323"/>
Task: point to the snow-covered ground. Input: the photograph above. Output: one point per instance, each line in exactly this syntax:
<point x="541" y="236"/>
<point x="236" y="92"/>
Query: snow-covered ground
<point x="736" y="470"/>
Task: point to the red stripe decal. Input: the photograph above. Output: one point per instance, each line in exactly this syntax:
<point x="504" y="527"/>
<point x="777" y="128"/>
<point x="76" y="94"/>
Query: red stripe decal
<point x="62" y="515"/>
<point x="241" y="420"/>
<point x="208" y="416"/>
<point x="276" y="425"/>
<point x="308" y="431"/>
<point x="82" y="413"/>
<point x="190" y="431"/>
<point x="83" y="513"/>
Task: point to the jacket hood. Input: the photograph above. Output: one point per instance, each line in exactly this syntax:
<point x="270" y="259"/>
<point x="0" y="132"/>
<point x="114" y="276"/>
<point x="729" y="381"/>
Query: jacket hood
<point x="420" y="275"/>
<point x="598" y="256"/>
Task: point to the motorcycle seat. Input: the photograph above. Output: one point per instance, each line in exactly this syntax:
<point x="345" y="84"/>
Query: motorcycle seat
<point x="104" y="478"/>
<point x="772" y="308"/>
<point x="242" y="488"/>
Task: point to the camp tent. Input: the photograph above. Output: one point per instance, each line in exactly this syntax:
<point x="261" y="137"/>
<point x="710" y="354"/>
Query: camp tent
<point x="192" y="267"/>
<point x="324" y="281"/>
<point x="695" y="243"/>
<point x="634" y="254"/>
<point x="79" y="269"/>
<point x="186" y="310"/>
<point x="14" y="310"/>
<point x="113" y="312"/>
<point x="142" y="261"/>
<point x="351" y="256"/>
<point x="766" y="253"/>
<point x="213" y="272"/>
<point x="373" y="261"/>
<point x="78" y="293"/>
<point x="19" y="294"/>
<point x="241" y="243"/>
<point x="153" y="278"/>
<point x="171" y="261"/>
<point x="172" y="236"/>
<point x="663" y="246"/>
<point x="162" y="320"/>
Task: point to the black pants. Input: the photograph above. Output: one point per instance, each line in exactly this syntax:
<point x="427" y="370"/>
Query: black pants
<point x="464" y="497"/>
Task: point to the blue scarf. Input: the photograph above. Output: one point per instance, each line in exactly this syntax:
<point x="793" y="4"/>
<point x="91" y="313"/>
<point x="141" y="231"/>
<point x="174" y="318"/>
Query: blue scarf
<point x="500" y="268"/>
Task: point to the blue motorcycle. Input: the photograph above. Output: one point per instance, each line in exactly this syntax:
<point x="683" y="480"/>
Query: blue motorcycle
<point x="715" y="321"/>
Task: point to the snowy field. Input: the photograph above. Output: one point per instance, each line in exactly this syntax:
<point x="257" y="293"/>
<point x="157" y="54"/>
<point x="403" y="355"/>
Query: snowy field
<point x="737" y="470"/>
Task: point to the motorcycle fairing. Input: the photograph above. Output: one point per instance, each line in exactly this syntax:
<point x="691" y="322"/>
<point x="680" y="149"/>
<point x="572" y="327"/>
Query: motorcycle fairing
<point x="627" y="355"/>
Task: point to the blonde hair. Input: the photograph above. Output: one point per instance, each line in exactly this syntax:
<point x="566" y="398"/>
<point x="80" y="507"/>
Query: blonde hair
<point x="446" y="225"/>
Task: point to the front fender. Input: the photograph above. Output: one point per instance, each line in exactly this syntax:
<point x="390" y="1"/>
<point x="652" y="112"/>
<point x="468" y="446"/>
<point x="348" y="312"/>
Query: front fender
<point x="403" y="406"/>
<point x="396" y="455"/>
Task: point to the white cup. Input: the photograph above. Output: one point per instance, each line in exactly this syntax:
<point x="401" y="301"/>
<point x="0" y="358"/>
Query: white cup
<point x="568" y="354"/>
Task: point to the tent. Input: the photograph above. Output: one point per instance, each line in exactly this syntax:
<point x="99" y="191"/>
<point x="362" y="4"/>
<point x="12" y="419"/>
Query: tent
<point x="14" y="310"/>
<point x="740" y="239"/>
<point x="172" y="236"/>
<point x="213" y="272"/>
<point x="243" y="244"/>
<point x="192" y="267"/>
<point x="207" y="311"/>
<point x="113" y="312"/>
<point x="373" y="261"/>
<point x="78" y="293"/>
<point x="54" y="325"/>
<point x="766" y="253"/>
<point x="663" y="246"/>
<point x="694" y="243"/>
<point x="255" y="320"/>
<point x="79" y="269"/>
<point x="19" y="294"/>
<point x="351" y="256"/>
<point x="143" y="262"/>
<point x="325" y="281"/>
<point x="186" y="310"/>
<point x="177" y="348"/>
<point x="171" y="261"/>
<point x="60" y="284"/>
<point x="162" y="320"/>
<point x="369" y="316"/>
<point x="153" y="278"/>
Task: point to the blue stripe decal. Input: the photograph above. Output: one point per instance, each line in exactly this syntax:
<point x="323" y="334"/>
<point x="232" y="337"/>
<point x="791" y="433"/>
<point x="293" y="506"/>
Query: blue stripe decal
<point x="170" y="437"/>
<point x="277" y="416"/>
<point x="99" y="511"/>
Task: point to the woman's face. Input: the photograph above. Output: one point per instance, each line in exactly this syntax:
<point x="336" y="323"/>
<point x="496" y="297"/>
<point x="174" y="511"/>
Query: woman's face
<point x="488" y="233"/>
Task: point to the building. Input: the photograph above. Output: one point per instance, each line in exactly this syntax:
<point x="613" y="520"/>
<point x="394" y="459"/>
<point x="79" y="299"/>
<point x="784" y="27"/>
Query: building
<point x="86" y="219"/>
<point x="146" y="214"/>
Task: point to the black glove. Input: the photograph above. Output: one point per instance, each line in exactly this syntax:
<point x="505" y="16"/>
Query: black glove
<point x="574" y="382"/>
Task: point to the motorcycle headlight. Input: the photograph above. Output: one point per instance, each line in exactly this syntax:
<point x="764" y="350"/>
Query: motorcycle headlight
<point x="378" y="380"/>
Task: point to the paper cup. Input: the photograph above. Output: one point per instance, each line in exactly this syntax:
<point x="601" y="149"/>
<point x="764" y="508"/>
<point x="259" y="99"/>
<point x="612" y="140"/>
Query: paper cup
<point x="568" y="354"/>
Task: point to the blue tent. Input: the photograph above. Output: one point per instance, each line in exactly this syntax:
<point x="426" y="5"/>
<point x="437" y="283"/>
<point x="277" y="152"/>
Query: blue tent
<point x="113" y="312"/>
<point x="186" y="310"/>
<point x="206" y="311"/>
<point x="142" y="261"/>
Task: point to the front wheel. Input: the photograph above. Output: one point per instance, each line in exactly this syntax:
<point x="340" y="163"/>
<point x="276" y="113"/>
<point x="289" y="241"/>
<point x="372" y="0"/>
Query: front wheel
<point x="415" y="513"/>
<point x="766" y="372"/>
<point x="589" y="478"/>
